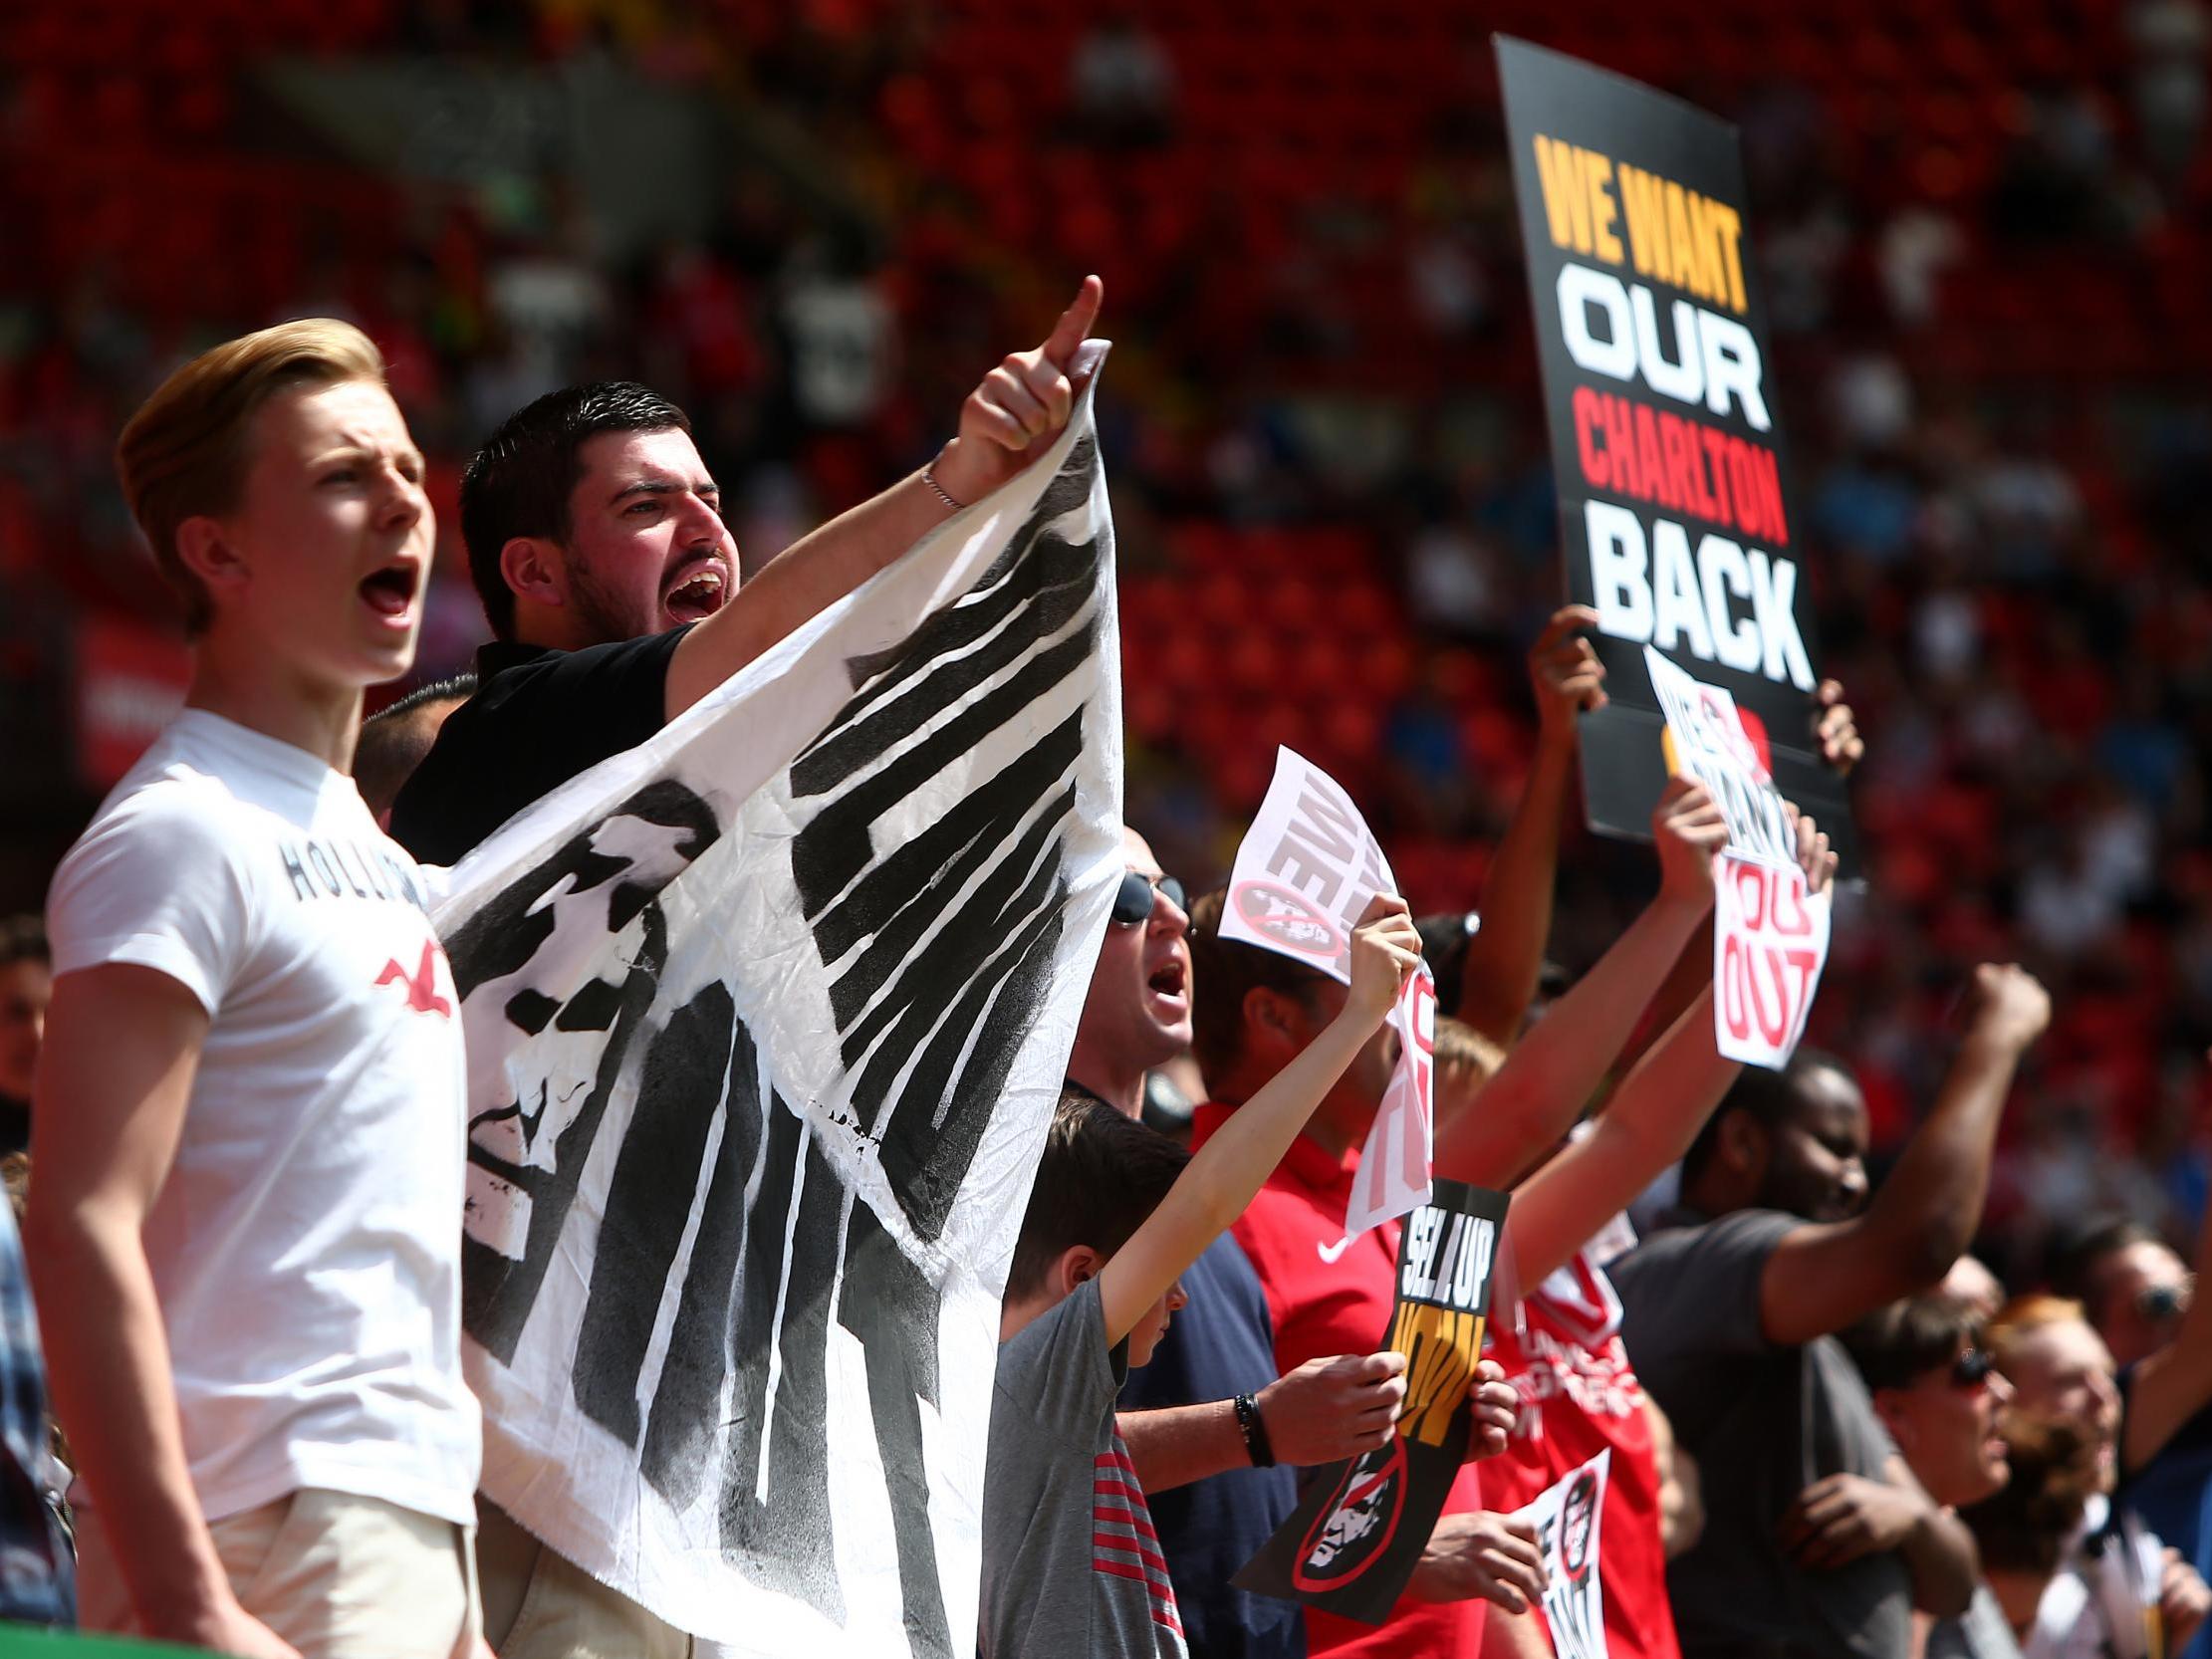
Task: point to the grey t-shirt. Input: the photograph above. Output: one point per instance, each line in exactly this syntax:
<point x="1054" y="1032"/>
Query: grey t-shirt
<point x="1764" y="1423"/>
<point x="1071" y="1564"/>
<point x="1981" y="1632"/>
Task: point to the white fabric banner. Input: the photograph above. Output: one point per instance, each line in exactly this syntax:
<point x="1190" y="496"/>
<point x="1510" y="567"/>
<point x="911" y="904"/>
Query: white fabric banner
<point x="1567" y="1519"/>
<point x="1305" y="873"/>
<point x="765" y="1020"/>
<point x="1770" y="931"/>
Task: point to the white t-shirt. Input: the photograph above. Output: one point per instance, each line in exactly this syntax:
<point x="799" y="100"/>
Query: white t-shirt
<point x="2103" y="1602"/>
<point x="305" y="1245"/>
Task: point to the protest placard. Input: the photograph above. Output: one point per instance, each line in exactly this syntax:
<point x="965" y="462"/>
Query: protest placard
<point x="1770" y="931"/>
<point x="1305" y="870"/>
<point x="1304" y="874"/>
<point x="1770" y="942"/>
<point x="1676" y="514"/>
<point x="1359" y="1527"/>
<point x="1567" y="1519"/>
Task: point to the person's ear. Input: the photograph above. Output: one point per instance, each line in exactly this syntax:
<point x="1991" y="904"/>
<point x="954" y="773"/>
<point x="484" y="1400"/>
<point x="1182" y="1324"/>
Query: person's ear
<point x="532" y="568"/>
<point x="1078" y="1264"/>
<point x="1744" y="1146"/>
<point x="205" y="548"/>
<point x="1277" y="1019"/>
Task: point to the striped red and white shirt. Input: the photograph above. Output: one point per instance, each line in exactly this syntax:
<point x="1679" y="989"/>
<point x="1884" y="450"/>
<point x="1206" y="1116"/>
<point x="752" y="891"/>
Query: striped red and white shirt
<point x="1060" y="1493"/>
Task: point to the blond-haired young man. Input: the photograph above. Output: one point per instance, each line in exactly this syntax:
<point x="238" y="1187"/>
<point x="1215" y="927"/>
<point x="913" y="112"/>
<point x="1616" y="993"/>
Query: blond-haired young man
<point x="249" y="1124"/>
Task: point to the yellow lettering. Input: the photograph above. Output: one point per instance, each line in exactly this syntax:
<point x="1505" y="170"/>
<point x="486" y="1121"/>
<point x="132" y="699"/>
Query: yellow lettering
<point x="1440" y="1348"/>
<point x="1566" y="205"/>
<point x="1641" y="192"/>
<point x="1603" y="214"/>
<point x="1727" y="230"/>
<point x="1708" y="278"/>
<point x="1678" y="237"/>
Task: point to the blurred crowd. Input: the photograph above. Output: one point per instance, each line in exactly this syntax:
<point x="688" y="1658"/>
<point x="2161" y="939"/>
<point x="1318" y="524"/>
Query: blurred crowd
<point x="1994" y="396"/>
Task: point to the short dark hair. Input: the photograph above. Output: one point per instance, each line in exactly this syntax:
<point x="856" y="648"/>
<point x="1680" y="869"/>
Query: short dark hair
<point x="2077" y="1255"/>
<point x="461" y="687"/>
<point x="1896" y="1345"/>
<point x="391" y="745"/>
<point x="518" y="483"/>
<point x="23" y="939"/>
<point x="1222" y="972"/>
<point x="1772" y="1097"/>
<point x="1100" y="1175"/>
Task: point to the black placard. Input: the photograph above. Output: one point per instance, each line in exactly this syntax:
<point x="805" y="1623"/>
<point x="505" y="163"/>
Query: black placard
<point x="1352" y="1543"/>
<point x="1678" y="520"/>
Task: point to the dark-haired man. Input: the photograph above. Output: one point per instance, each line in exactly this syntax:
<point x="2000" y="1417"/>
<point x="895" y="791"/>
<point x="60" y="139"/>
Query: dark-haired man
<point x="1817" y="1541"/>
<point x="1939" y="1393"/>
<point x="597" y="542"/>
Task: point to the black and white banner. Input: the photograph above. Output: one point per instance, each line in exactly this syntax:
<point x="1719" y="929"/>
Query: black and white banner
<point x="766" y="1019"/>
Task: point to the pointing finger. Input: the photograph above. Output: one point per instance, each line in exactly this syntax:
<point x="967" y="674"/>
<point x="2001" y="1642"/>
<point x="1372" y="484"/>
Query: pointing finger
<point x="1074" y="323"/>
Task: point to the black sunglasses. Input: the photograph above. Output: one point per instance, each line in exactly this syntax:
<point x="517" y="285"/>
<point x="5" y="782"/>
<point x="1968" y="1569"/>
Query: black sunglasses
<point x="1971" y="1369"/>
<point x="1134" y="903"/>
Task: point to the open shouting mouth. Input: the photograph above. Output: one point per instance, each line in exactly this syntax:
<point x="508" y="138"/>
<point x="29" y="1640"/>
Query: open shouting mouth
<point x="390" y="591"/>
<point x="698" y="588"/>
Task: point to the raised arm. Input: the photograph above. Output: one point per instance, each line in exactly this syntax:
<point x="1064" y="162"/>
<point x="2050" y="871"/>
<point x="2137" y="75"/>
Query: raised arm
<point x="1648" y="1124"/>
<point x="122" y="1043"/>
<point x="1006" y="424"/>
<point x="1505" y="958"/>
<point x="2172" y="1385"/>
<point x="1552" y="1071"/>
<point x="1217" y="1184"/>
<point x="1823" y="1277"/>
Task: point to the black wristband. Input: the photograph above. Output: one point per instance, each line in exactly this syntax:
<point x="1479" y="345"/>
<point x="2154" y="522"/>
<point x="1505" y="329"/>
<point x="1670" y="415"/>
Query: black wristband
<point x="1255" y="1432"/>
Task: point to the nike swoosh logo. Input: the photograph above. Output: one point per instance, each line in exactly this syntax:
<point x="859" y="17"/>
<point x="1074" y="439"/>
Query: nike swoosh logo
<point x="1330" y="1253"/>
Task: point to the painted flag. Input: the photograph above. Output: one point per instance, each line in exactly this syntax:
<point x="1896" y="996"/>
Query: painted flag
<point x="766" y="1022"/>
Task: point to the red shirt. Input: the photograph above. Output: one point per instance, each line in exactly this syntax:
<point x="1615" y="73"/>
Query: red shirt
<point x="1578" y="1396"/>
<point x="1324" y="1305"/>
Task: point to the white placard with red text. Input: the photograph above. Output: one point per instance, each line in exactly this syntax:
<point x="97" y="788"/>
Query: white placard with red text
<point x="1304" y="874"/>
<point x="1769" y="940"/>
<point x="1770" y="934"/>
<point x="1567" y="1519"/>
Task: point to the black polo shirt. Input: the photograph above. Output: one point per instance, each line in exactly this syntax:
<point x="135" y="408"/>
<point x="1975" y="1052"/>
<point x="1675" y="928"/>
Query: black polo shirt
<point x="538" y="717"/>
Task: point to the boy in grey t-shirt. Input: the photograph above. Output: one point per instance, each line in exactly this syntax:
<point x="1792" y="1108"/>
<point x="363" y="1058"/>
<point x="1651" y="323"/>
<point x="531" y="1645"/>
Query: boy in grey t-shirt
<point x="1071" y="1565"/>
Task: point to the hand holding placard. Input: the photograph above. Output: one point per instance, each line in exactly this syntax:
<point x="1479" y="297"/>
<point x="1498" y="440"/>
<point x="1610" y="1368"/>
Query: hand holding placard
<point x="1360" y="1527"/>
<point x="1306" y="874"/>
<point x="1771" y="898"/>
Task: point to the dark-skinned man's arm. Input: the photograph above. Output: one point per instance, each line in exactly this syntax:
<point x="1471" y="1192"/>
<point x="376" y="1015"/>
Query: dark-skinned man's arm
<point x="1823" y="1277"/>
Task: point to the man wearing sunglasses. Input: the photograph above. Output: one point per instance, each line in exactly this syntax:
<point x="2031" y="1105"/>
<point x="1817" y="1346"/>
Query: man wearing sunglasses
<point x="1137" y="1015"/>
<point x="1938" y="1394"/>
<point x="1255" y="1427"/>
